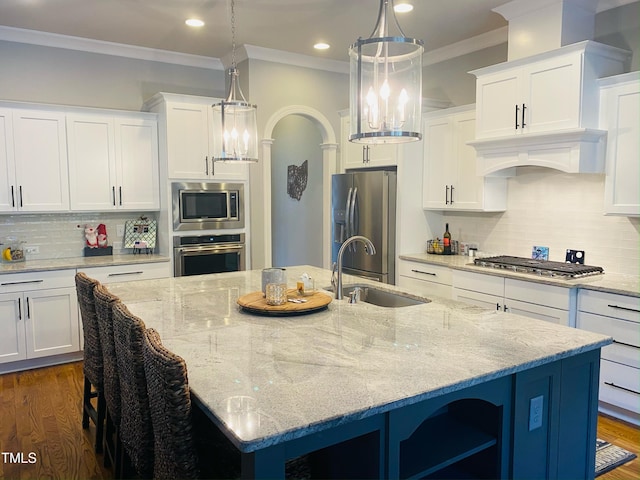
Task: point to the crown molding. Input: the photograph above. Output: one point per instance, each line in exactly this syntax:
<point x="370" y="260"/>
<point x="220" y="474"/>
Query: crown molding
<point x="33" y="37"/>
<point x="296" y="59"/>
<point x="464" y="47"/>
<point x="609" y="4"/>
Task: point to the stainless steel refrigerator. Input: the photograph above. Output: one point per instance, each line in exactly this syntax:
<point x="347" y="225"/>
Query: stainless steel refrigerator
<point x="364" y="203"/>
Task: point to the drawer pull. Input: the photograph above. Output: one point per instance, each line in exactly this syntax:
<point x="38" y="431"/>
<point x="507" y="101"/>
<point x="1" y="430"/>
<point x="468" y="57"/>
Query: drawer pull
<point x="624" y="308"/>
<point x="21" y="283"/>
<point x="611" y="384"/>
<point x="625" y="344"/>
<point x="125" y="273"/>
<point x="425" y="273"/>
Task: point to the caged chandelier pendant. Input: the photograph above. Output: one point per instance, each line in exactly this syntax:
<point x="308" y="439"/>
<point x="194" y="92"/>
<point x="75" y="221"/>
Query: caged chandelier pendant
<point x="386" y="84"/>
<point x="235" y="128"/>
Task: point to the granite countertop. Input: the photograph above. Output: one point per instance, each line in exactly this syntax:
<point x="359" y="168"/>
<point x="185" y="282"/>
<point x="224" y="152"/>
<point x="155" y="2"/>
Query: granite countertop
<point x="302" y="374"/>
<point x="78" y="262"/>
<point x="609" y="282"/>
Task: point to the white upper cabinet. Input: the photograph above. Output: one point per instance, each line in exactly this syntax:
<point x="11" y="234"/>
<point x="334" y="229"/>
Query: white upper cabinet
<point x="541" y="97"/>
<point x="38" y="160"/>
<point x="543" y="110"/>
<point x="620" y="116"/>
<point x="137" y="163"/>
<point x="113" y="162"/>
<point x="7" y="164"/>
<point x="187" y="139"/>
<point x="356" y="155"/>
<point x="450" y="181"/>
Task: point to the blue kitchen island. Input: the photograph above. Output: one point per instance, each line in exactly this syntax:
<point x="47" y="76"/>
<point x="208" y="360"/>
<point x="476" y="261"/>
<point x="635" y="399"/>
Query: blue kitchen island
<point x="440" y="389"/>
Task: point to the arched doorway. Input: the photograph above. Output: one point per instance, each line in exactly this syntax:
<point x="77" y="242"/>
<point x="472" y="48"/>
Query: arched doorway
<point x="328" y="154"/>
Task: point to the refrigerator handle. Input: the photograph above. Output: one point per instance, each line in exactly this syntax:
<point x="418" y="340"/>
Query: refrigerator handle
<point x="352" y="218"/>
<point x="347" y="221"/>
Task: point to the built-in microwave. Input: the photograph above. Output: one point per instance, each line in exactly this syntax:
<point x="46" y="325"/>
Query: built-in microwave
<point x="207" y="205"/>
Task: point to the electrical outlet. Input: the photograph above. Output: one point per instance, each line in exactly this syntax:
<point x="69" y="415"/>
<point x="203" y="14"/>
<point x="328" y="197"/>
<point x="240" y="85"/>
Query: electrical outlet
<point x="535" y="412"/>
<point x="32" y="250"/>
<point x="119" y="231"/>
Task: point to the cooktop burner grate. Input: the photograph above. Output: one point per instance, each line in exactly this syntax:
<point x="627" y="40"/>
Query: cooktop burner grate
<point x="539" y="267"/>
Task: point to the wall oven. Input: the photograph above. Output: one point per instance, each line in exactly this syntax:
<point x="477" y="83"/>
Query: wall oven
<point x="207" y="205"/>
<point x="202" y="254"/>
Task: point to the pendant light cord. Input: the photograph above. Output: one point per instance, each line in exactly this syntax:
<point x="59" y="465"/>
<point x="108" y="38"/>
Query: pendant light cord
<point x="233" y="34"/>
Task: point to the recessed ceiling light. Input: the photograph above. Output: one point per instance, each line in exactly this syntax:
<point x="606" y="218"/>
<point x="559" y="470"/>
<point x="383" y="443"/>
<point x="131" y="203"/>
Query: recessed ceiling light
<point x="194" y="22"/>
<point x="403" y="7"/>
<point x="321" y="46"/>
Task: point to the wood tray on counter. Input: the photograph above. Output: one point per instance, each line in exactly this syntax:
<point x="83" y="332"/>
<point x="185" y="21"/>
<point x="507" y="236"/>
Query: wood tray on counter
<point x="256" y="303"/>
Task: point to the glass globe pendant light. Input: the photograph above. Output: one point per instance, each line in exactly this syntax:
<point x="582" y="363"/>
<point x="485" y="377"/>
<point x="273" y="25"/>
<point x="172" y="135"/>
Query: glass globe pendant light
<point x="386" y="84"/>
<point x="235" y="128"/>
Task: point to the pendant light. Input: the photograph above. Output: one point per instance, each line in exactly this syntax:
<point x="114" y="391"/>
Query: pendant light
<point x="235" y="128"/>
<point x="386" y="84"/>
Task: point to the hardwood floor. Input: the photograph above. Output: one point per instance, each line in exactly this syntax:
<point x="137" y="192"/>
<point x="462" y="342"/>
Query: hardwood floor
<point x="40" y="413"/>
<point x="40" y="417"/>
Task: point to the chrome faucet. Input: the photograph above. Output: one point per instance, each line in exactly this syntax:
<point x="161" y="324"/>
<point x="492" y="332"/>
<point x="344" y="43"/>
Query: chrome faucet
<point x="368" y="248"/>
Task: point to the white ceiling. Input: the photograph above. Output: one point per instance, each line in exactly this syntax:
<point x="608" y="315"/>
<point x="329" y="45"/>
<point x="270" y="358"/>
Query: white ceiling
<point x="286" y="25"/>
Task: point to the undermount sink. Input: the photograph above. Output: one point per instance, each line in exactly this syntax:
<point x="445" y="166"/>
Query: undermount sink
<point x="379" y="297"/>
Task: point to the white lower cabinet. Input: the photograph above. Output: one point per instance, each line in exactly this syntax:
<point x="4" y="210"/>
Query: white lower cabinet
<point x="536" y="300"/>
<point x="425" y="279"/>
<point x="38" y="315"/>
<point x="619" y="317"/>
<point x="128" y="273"/>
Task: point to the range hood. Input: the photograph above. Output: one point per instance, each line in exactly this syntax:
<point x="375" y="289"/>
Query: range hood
<point x="540" y="108"/>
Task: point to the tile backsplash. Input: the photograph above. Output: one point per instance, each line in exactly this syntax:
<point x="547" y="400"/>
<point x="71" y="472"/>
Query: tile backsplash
<point x="557" y="210"/>
<point x="61" y="235"/>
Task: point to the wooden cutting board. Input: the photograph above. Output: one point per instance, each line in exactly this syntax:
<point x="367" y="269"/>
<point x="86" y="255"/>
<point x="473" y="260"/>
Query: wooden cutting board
<point x="256" y="303"/>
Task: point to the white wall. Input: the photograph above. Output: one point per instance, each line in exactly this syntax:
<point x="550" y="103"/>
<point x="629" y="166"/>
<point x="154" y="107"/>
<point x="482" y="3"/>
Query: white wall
<point x="558" y="210"/>
<point x="61" y="235"/>
<point x="32" y="73"/>
<point x="273" y="87"/>
<point x="296" y="224"/>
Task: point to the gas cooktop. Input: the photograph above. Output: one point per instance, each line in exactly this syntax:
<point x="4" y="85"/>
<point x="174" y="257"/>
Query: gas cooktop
<point x="539" y="267"/>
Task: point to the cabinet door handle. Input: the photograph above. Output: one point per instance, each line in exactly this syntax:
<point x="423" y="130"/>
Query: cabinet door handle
<point x="28" y="308"/>
<point x="505" y="308"/>
<point x="611" y="384"/>
<point x="21" y="283"/>
<point x="624" y="308"/>
<point x="120" y="194"/>
<point x="20" y="190"/>
<point x="446" y="194"/>
<point x="497" y="306"/>
<point x="206" y="165"/>
<point x="451" y="196"/>
<point x="517" y="112"/>
<point x="125" y="273"/>
<point x="423" y="272"/>
<point x="365" y="154"/>
<point x="524" y="107"/>
<point x="13" y="199"/>
<point x="113" y="194"/>
<point x="19" y="309"/>
<point x="625" y="344"/>
<point x="213" y="167"/>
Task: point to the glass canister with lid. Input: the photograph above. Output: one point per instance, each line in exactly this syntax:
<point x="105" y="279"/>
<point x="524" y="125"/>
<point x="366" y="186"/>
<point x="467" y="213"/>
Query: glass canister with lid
<point x="12" y="250"/>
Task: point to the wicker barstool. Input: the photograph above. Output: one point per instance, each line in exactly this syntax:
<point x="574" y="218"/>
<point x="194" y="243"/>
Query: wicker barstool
<point x="104" y="310"/>
<point x="170" y="406"/>
<point x="135" y="429"/>
<point x="92" y="359"/>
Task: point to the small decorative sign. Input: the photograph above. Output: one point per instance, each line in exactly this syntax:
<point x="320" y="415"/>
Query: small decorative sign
<point x="540" y="253"/>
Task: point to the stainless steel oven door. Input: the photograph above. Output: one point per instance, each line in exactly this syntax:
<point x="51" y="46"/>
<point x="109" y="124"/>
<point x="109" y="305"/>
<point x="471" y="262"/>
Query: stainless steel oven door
<point x="204" y="259"/>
